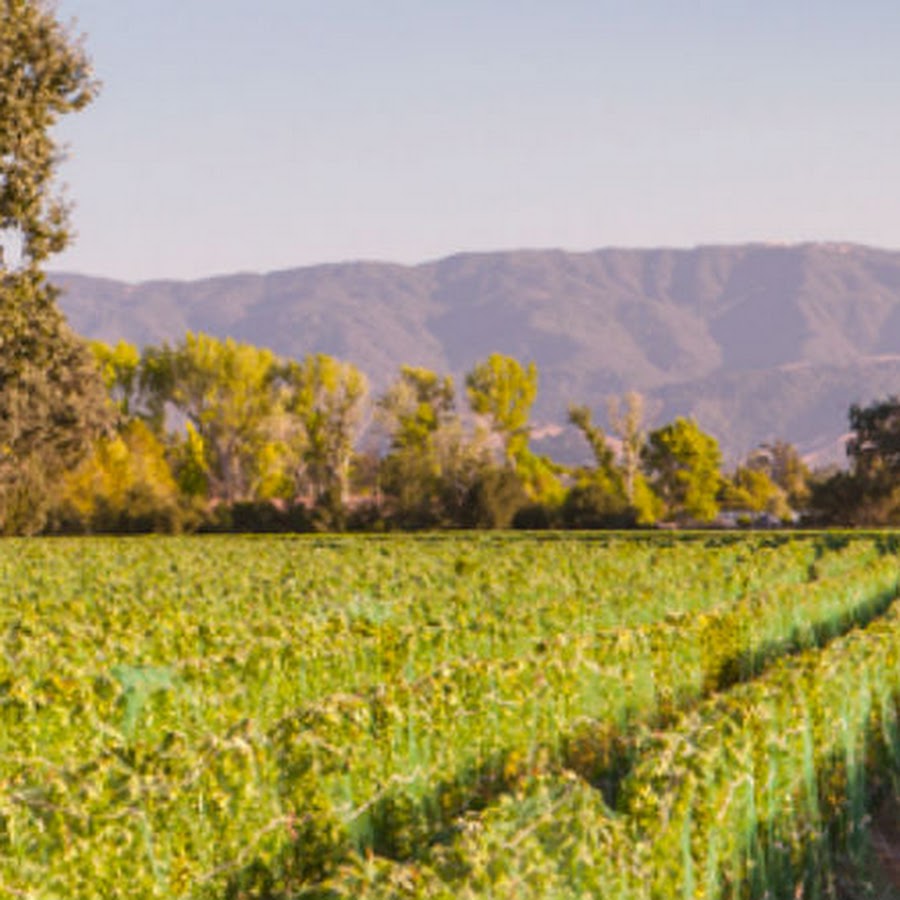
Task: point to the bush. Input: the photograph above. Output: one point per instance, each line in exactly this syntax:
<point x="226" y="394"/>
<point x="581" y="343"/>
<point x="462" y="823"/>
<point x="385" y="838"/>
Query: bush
<point x="589" y="506"/>
<point x="536" y="517"/>
<point x="494" y="499"/>
<point x="257" y="517"/>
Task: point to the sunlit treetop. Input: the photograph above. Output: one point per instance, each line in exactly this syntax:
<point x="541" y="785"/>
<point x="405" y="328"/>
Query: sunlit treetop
<point x="44" y="74"/>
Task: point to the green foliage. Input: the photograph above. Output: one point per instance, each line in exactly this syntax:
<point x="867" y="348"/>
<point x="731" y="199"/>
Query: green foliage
<point x="683" y="463"/>
<point x="412" y="489"/>
<point x="189" y="463"/>
<point x="427" y="453"/>
<point x="784" y="466"/>
<point x="604" y="459"/>
<point x="325" y="398"/>
<point x="609" y="494"/>
<point x="503" y="391"/>
<point x="51" y="398"/>
<point x="752" y="489"/>
<point x="590" y="504"/>
<point x="648" y="508"/>
<point x="438" y="717"/>
<point x="874" y="451"/>
<point x="415" y="408"/>
<point x="44" y="74"/>
<point x="621" y="483"/>
<point x="493" y="499"/>
<point x="869" y="494"/>
<point x="138" y="684"/>
<point x="757" y="788"/>
<point x="248" y="427"/>
<point x="257" y="428"/>
<point x="225" y="390"/>
<point x="874" y="448"/>
<point x="540" y="477"/>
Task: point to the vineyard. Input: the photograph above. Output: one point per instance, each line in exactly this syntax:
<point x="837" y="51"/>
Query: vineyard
<point x="457" y="716"/>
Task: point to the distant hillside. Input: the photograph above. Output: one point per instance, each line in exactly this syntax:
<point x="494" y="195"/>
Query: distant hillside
<point x="756" y="341"/>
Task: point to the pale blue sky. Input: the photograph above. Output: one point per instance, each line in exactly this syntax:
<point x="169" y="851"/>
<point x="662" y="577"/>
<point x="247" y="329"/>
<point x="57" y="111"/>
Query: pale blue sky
<point x="251" y="135"/>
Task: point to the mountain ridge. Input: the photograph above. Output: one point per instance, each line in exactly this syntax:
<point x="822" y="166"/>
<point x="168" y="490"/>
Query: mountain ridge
<point x="757" y="341"/>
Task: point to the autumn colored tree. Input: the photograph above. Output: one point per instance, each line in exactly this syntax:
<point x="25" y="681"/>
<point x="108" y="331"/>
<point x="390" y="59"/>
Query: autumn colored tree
<point x="125" y="484"/>
<point x="120" y="369"/>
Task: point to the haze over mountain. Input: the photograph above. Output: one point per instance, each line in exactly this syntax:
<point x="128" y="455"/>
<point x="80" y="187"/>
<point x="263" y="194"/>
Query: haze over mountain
<point x="755" y="341"/>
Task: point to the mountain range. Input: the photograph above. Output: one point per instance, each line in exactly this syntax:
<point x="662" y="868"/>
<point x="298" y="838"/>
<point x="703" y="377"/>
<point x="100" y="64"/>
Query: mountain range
<point x="756" y="341"/>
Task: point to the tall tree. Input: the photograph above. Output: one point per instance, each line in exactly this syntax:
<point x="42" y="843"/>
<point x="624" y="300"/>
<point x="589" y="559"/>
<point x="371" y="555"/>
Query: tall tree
<point x="418" y="413"/>
<point x="326" y="399"/>
<point x="874" y="451"/>
<point x="120" y="368"/>
<point x="684" y="462"/>
<point x="874" y="448"/>
<point x="785" y="467"/>
<point x="52" y="402"/>
<point x="415" y="407"/>
<point x="869" y="494"/>
<point x="225" y="390"/>
<point x="503" y="390"/>
<point x="612" y="493"/>
<point x="627" y="420"/>
<point x="601" y="488"/>
<point x="582" y="418"/>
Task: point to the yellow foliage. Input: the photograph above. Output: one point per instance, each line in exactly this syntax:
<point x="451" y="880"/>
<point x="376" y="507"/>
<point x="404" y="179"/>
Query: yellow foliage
<point x="125" y="474"/>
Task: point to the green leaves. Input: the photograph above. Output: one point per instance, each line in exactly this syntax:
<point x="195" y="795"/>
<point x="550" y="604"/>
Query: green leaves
<point x="502" y="390"/>
<point x="139" y="684"/>
<point x="684" y="465"/>
<point x="435" y="717"/>
<point x="325" y="396"/>
<point x="44" y="74"/>
<point x="51" y="398"/>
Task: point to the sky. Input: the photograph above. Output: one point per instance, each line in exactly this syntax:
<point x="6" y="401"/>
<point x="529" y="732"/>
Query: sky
<point x="256" y="135"/>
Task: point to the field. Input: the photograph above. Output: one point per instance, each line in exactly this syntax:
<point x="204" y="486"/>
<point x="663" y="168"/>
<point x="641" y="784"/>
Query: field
<point x="650" y="716"/>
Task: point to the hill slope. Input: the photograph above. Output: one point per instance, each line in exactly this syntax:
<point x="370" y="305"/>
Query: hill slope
<point x="756" y="341"/>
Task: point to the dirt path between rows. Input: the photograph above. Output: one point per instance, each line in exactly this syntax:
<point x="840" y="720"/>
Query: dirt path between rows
<point x="886" y="839"/>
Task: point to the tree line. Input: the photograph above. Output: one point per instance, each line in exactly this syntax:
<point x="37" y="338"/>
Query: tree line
<point x="217" y="434"/>
<point x="214" y="434"/>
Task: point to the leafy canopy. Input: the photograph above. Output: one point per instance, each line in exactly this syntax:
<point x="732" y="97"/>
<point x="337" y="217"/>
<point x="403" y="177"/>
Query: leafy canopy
<point x="502" y="390"/>
<point x="684" y="463"/>
<point x="52" y="402"/>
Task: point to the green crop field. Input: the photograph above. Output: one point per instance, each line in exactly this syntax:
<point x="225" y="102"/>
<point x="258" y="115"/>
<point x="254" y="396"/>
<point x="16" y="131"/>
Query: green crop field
<point x="648" y="716"/>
